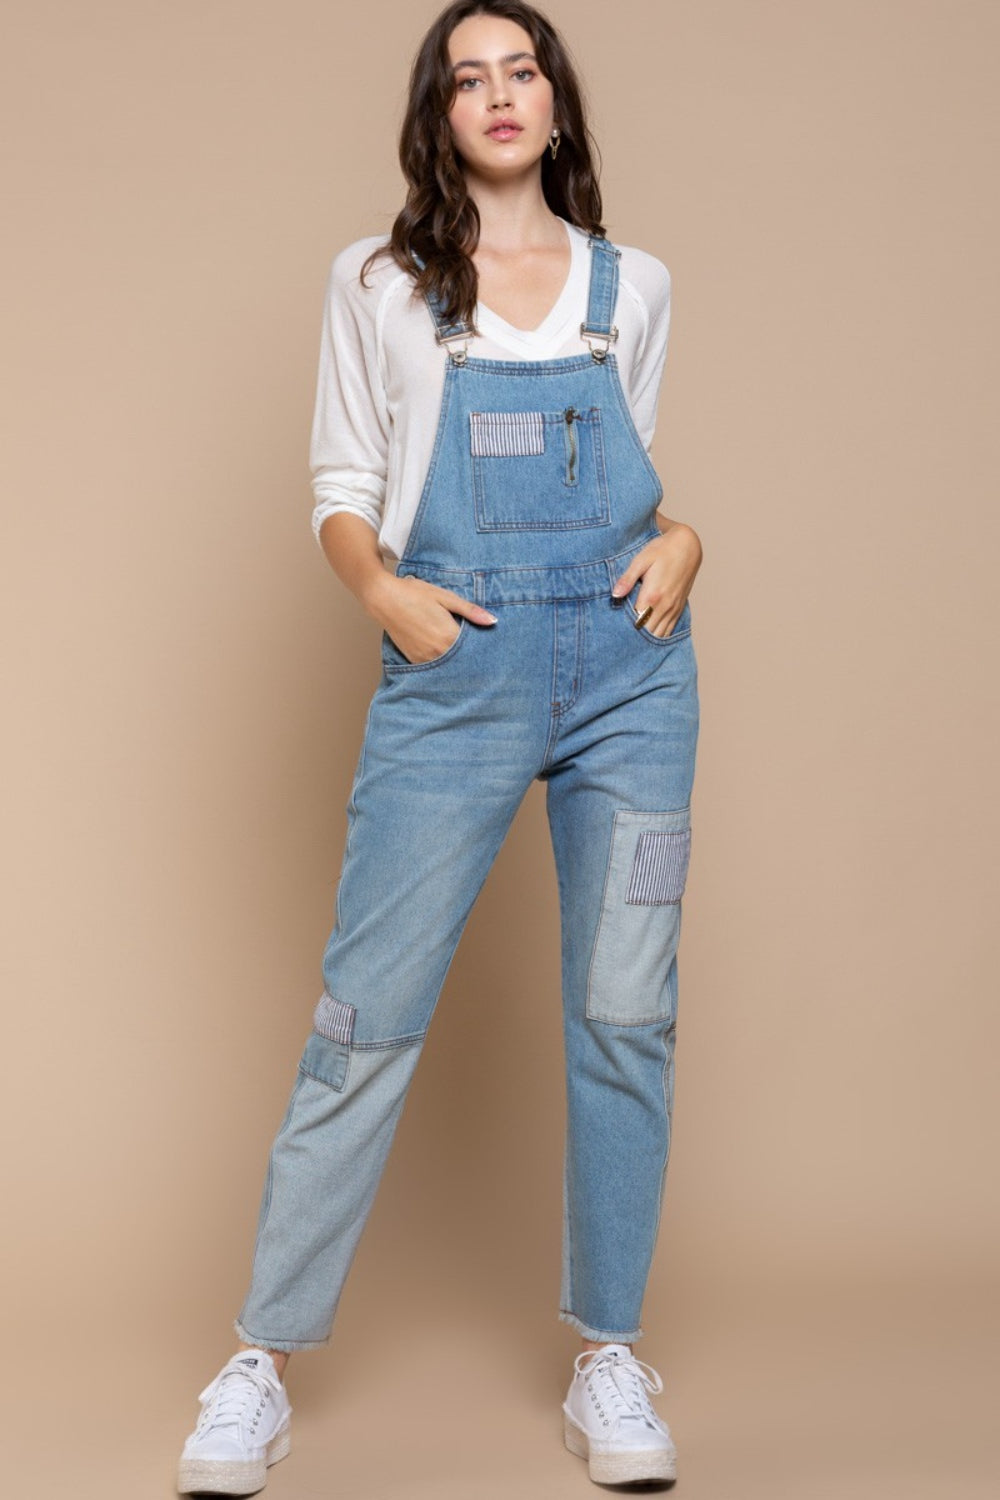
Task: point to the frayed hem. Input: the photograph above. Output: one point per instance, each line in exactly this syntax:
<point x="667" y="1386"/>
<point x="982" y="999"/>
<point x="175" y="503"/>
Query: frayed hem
<point x="602" y="1335"/>
<point x="283" y="1346"/>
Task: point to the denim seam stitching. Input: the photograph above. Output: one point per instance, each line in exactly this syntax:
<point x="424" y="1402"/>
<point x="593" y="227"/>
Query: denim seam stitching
<point x="545" y="525"/>
<point x="602" y="292"/>
<point x="446" y="396"/>
<point x="397" y="1041"/>
<point x="529" y="367"/>
<point x="595" y="565"/>
<point x="432" y="567"/>
<point x="397" y="667"/>
<point x="669" y="1044"/>
<point x="570" y="1263"/>
<point x="550" y="743"/>
<point x="601" y="466"/>
<point x="567" y="1217"/>
<point x="631" y="429"/>
<point x="577" y="684"/>
<point x="549" y="599"/>
<point x="352" y="808"/>
<point x="338" y="1088"/>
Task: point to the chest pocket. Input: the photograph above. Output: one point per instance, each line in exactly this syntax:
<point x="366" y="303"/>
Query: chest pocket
<point x="539" y="470"/>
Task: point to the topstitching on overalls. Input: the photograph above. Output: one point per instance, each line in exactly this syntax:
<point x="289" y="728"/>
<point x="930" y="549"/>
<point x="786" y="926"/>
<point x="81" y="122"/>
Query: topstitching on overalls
<point x="538" y="493"/>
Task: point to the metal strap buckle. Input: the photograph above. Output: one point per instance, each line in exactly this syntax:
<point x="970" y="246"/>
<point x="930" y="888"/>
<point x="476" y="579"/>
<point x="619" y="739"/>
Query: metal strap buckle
<point x="608" y="338"/>
<point x="458" y="356"/>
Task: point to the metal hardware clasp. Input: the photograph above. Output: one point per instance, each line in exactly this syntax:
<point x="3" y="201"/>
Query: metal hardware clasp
<point x="457" y="356"/>
<point x="600" y="355"/>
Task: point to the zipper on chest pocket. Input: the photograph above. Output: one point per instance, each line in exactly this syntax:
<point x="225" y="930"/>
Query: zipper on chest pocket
<point x="572" y="444"/>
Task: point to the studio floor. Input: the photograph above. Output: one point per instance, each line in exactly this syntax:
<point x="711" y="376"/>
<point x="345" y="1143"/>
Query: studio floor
<point x="875" y="1393"/>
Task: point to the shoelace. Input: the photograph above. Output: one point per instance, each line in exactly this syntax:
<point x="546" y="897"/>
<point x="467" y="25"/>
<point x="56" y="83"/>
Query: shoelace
<point x="624" y="1382"/>
<point x="230" y="1393"/>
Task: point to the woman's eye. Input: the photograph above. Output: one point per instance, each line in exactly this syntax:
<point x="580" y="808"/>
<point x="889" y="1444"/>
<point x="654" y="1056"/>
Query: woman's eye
<point x="522" y="74"/>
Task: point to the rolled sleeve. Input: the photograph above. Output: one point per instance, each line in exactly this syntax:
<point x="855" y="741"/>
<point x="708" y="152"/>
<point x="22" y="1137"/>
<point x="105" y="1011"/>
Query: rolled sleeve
<point x="349" y="443"/>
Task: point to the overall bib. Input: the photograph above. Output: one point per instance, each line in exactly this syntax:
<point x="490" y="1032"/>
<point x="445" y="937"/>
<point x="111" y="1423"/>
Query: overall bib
<point x="538" y="493"/>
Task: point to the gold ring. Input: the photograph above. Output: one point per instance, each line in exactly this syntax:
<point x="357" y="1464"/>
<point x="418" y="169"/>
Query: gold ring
<point x="640" y="620"/>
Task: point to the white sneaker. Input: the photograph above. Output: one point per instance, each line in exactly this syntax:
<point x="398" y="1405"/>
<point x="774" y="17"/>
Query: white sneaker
<point x="608" y="1419"/>
<point x="244" y="1426"/>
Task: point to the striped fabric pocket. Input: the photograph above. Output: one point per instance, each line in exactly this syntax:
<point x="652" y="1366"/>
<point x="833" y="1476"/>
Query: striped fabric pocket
<point x="659" y="871"/>
<point x="507" y="434"/>
<point x="334" y="1019"/>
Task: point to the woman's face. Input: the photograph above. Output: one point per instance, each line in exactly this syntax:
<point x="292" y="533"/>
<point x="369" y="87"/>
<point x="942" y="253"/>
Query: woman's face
<point x="502" y="114"/>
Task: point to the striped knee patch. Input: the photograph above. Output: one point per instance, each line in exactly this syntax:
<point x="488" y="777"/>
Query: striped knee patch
<point x="659" y="870"/>
<point x="507" y="434"/>
<point x="633" y="966"/>
<point x="334" y="1019"/>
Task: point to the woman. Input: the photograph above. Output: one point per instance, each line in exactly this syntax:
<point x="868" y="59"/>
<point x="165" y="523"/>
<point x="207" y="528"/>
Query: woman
<point x="487" y="393"/>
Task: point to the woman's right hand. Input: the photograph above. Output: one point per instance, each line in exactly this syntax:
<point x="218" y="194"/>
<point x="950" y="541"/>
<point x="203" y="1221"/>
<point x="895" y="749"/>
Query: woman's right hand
<point x="419" y="617"/>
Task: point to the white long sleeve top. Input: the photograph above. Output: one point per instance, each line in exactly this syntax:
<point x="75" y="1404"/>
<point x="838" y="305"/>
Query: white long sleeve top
<point x="381" y="374"/>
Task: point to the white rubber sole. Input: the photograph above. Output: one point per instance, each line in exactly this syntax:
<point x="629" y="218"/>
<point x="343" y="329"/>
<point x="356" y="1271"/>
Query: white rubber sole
<point x="221" y="1477"/>
<point x="624" y="1467"/>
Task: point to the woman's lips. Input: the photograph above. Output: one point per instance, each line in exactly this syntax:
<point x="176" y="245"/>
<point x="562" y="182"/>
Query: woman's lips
<point x="504" y="132"/>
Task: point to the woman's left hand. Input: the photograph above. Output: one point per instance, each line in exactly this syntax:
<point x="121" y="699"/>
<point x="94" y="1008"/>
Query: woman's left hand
<point x="667" y="567"/>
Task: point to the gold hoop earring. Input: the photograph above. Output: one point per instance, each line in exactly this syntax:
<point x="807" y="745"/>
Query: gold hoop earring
<point x="554" y="141"/>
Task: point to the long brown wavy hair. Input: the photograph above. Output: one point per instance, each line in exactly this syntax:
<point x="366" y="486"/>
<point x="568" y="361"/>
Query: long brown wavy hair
<point x="439" y="221"/>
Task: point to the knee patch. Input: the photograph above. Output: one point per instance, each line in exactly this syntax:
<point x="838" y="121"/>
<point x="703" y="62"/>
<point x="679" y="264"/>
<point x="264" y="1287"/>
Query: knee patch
<point x="327" y="1053"/>
<point x="633" y="969"/>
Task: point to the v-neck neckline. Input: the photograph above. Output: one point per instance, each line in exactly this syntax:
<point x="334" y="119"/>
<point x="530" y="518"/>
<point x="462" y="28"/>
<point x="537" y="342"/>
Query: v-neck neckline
<point x="556" y="314"/>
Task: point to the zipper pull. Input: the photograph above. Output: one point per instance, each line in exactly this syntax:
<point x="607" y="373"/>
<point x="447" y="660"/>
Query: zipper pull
<point x="571" y="444"/>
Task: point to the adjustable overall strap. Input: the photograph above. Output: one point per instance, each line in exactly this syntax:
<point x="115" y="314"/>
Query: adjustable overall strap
<point x="446" y="333"/>
<point x="598" y="328"/>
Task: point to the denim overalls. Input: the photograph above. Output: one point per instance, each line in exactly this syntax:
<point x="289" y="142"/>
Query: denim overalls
<point x="539" y="492"/>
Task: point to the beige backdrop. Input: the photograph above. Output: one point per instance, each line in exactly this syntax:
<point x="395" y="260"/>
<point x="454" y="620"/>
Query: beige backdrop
<point x="186" y="682"/>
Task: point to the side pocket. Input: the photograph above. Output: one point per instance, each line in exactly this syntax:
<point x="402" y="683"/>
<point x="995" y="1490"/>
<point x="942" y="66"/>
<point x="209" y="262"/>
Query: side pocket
<point x="393" y="660"/>
<point x="327" y="1054"/>
<point x="633" y="968"/>
<point x="680" y="632"/>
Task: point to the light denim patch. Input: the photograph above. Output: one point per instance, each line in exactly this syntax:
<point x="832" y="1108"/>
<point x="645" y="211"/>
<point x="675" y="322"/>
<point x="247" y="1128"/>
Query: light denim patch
<point x="326" y="1061"/>
<point x="633" y="968"/>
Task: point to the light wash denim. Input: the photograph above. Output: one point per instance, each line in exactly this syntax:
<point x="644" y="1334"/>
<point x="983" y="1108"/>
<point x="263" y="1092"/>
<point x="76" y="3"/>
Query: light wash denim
<point x="532" y="510"/>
